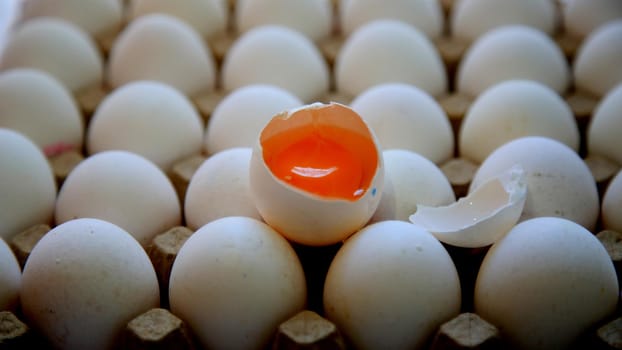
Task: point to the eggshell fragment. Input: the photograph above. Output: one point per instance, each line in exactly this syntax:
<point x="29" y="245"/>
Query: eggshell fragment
<point x="234" y="281"/>
<point x="545" y="283"/>
<point x="28" y="187"/>
<point x="163" y="48"/>
<point x="149" y="118"/>
<point x="383" y="51"/>
<point x="10" y="278"/>
<point x="611" y="206"/>
<point x="582" y="17"/>
<point x="406" y="117"/>
<point x="123" y="188"/>
<point x="84" y="281"/>
<point x="276" y="55"/>
<point x="57" y="47"/>
<point x="390" y="286"/>
<point x="512" y="52"/>
<point x="316" y="173"/>
<point x="605" y="127"/>
<point x="480" y="218"/>
<point x="511" y="109"/>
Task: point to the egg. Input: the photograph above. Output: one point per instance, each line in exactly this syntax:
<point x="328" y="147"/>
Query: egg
<point x="385" y="50"/>
<point x="470" y="19"/>
<point x="596" y="66"/>
<point x="243" y="113"/>
<point x="512" y="52"/>
<point x="605" y="126"/>
<point x="559" y="183"/>
<point x="511" y="109"/>
<point x="406" y="117"/>
<point x="390" y="286"/>
<point x="234" y="281"/>
<point x="28" y="186"/>
<point x="276" y="55"/>
<point x="123" y="188"/>
<point x="84" y="281"/>
<point x="410" y="180"/>
<point x="316" y="173"/>
<point x="163" y="48"/>
<point x="10" y="278"/>
<point x="149" y="118"/>
<point x="219" y="188"/>
<point x="581" y="17"/>
<point x="312" y="18"/>
<point x="545" y="283"/>
<point x="57" y="47"/>
<point x="53" y="122"/>
<point x="426" y="15"/>
<point x="611" y="206"/>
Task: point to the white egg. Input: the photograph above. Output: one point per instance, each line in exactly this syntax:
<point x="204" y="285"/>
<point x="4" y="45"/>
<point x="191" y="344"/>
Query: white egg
<point x="383" y="51"/>
<point x="406" y="117"/>
<point x="410" y="180"/>
<point x="470" y="19"/>
<point x="511" y="109"/>
<point x="149" y="118"/>
<point x="234" y="281"/>
<point x="28" y="186"/>
<point x="605" y="126"/>
<point x="426" y="15"/>
<point x="243" y="113"/>
<point x="559" y="183"/>
<point x="596" y="66"/>
<point x="276" y="55"/>
<point x="10" y="278"/>
<point x="84" y="281"/>
<point x="545" y="283"/>
<point x="312" y="18"/>
<point x="53" y="121"/>
<point x="123" y="188"/>
<point x="611" y="206"/>
<point x="57" y="47"/>
<point x="163" y="48"/>
<point x="581" y="17"/>
<point x="219" y="188"/>
<point x="390" y="286"/>
<point x="512" y="52"/>
<point x="316" y="173"/>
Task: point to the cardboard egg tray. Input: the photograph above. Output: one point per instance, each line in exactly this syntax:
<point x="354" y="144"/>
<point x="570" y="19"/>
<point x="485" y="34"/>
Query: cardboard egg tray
<point x="159" y="328"/>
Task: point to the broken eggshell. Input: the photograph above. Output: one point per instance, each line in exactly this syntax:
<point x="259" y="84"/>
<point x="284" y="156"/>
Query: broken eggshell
<point x="480" y="218"/>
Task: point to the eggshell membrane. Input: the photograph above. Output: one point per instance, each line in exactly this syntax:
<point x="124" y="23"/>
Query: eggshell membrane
<point x="545" y="283"/>
<point x="559" y="183"/>
<point x="596" y="66"/>
<point x="511" y="109"/>
<point x="376" y="310"/>
<point x="581" y="17"/>
<point x="312" y="18"/>
<point x="301" y="213"/>
<point x="385" y="50"/>
<point x="512" y="52"/>
<point x="28" y="186"/>
<point x="207" y="17"/>
<point x="276" y="55"/>
<point x="10" y="278"/>
<point x="471" y="18"/>
<point x="219" y="188"/>
<point x="57" y="47"/>
<point x="611" y="206"/>
<point x="410" y="180"/>
<point x="426" y="15"/>
<point x="605" y="127"/>
<point x="149" y="118"/>
<point x="123" y="188"/>
<point x="234" y="281"/>
<point x="406" y="117"/>
<point x="243" y="113"/>
<point x="53" y="120"/>
<point x="84" y="281"/>
<point x="163" y="48"/>
<point x="98" y="18"/>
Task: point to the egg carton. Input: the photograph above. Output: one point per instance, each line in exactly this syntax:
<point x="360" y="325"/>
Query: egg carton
<point x="159" y="328"/>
